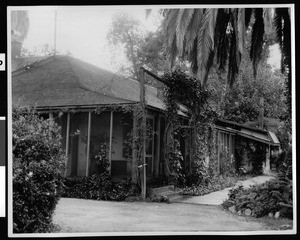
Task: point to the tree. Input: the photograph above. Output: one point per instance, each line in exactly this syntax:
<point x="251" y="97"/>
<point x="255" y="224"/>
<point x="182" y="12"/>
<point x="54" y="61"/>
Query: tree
<point x="240" y="103"/>
<point x="40" y="51"/>
<point x="19" y="29"/>
<point x="200" y="34"/>
<point x="142" y="48"/>
<point x="127" y="32"/>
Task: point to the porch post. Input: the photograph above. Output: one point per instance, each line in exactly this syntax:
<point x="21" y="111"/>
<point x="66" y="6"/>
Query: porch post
<point x="268" y="155"/>
<point x="110" y="139"/>
<point x="67" y="143"/>
<point x="134" y="172"/>
<point x="88" y="144"/>
<point x="157" y="146"/>
<point x="51" y="116"/>
<point x="218" y="152"/>
<point x="67" y="134"/>
<point x="142" y="100"/>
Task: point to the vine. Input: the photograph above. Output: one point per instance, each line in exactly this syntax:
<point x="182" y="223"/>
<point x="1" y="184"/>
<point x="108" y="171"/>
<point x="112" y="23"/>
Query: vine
<point x="186" y="90"/>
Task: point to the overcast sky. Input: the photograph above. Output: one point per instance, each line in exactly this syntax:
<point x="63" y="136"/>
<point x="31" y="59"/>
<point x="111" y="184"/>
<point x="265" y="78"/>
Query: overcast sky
<point x="82" y="31"/>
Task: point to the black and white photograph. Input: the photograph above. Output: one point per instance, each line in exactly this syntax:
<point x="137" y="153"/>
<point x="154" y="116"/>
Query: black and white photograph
<point x="136" y="120"/>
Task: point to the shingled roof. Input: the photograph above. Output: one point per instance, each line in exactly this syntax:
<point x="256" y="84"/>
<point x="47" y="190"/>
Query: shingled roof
<point x="62" y="81"/>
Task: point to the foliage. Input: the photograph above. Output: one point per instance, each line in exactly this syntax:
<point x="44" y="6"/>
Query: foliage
<point x="226" y="163"/>
<point x="186" y="90"/>
<point x="175" y="160"/>
<point x="214" y="183"/>
<point x="99" y="187"/>
<point x="99" y="148"/>
<point x="272" y="196"/>
<point x="38" y="169"/>
<point x="254" y="152"/>
<point x="200" y="34"/>
<point x="240" y="103"/>
<point x="285" y="163"/>
<point x="141" y="48"/>
<point x="41" y="51"/>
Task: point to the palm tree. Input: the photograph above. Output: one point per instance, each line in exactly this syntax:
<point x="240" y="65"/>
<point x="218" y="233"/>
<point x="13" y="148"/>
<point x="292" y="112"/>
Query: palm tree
<point x="200" y="35"/>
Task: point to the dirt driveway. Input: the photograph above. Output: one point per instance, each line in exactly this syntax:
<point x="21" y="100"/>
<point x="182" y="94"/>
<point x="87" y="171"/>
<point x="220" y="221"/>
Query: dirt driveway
<point x="77" y="215"/>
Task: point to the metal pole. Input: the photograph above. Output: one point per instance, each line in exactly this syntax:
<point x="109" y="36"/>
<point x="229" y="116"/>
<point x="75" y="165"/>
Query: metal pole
<point x="110" y="139"/>
<point x="142" y="100"/>
<point x="55" y="20"/>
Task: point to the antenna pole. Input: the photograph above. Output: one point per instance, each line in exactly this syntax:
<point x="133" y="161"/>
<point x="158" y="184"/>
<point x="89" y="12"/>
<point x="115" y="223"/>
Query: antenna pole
<point x="55" y="20"/>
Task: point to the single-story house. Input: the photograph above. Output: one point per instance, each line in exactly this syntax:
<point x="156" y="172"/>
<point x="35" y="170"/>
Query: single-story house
<point x="229" y="132"/>
<point x="85" y="100"/>
<point x="95" y="107"/>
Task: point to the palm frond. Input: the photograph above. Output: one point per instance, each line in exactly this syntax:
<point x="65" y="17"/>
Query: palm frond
<point x="192" y="30"/>
<point x="278" y="24"/>
<point x="169" y="28"/>
<point x="209" y="64"/>
<point x="268" y="19"/>
<point x="257" y="39"/>
<point x="221" y="38"/>
<point x="193" y="58"/>
<point x="283" y="31"/>
<point x="241" y="29"/>
<point x="234" y="53"/>
<point x="205" y="43"/>
<point x="248" y="14"/>
<point x="183" y="21"/>
<point x="286" y="38"/>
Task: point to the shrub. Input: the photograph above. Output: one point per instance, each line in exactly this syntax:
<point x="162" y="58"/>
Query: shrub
<point x="285" y="163"/>
<point x="38" y="167"/>
<point x="272" y="196"/>
<point x="254" y="152"/>
<point x="99" y="187"/>
<point x="214" y="183"/>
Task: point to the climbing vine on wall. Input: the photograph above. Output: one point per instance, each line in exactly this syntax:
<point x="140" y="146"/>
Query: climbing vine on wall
<point x="186" y="90"/>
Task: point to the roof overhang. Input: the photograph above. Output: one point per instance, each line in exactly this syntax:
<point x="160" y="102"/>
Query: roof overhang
<point x="258" y="135"/>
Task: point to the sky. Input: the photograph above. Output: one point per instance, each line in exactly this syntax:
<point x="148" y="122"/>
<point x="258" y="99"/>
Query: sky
<point x="82" y="31"/>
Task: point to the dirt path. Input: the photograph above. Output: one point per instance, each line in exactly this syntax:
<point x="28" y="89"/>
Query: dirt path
<point x="77" y="215"/>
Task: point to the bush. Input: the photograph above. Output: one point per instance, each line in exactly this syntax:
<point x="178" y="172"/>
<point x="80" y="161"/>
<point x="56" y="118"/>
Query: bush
<point x="38" y="167"/>
<point x="272" y="196"/>
<point x="214" y="183"/>
<point x="285" y="163"/>
<point x="99" y="187"/>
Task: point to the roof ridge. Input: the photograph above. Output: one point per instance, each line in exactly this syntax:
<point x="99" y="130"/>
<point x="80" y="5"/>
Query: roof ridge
<point x="242" y="125"/>
<point x="90" y="90"/>
<point x="37" y="63"/>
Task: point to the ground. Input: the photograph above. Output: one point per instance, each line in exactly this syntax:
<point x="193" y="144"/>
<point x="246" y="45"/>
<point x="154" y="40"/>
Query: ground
<point x="78" y="215"/>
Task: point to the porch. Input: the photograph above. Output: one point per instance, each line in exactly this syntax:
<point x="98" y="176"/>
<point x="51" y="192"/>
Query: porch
<point x="86" y="132"/>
